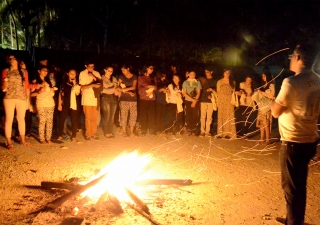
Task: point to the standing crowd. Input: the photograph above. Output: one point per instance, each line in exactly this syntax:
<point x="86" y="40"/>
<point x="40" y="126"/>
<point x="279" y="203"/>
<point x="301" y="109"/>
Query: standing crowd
<point x="147" y="102"/>
<point x="150" y="102"/>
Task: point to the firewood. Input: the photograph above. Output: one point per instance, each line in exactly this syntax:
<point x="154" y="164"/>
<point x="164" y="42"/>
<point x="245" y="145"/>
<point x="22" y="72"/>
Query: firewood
<point x="138" y="201"/>
<point x="164" y="182"/>
<point x="69" y="186"/>
<point x="59" y="201"/>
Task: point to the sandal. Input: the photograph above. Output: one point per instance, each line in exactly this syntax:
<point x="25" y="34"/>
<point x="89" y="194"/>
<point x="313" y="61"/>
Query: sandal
<point x="9" y="146"/>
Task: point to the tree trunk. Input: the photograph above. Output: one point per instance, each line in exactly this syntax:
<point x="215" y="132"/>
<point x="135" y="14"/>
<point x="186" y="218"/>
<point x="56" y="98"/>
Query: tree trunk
<point x="15" y="28"/>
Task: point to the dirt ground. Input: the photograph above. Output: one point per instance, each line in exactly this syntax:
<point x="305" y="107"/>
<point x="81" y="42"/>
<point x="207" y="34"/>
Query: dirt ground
<point x="234" y="182"/>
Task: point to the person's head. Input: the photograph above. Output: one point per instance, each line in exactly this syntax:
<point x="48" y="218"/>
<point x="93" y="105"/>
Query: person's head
<point x="176" y="79"/>
<point x="266" y="75"/>
<point x="43" y="71"/>
<point x="108" y="71"/>
<point x="248" y="79"/>
<point x="23" y="65"/>
<point x="43" y="61"/>
<point x="12" y="61"/>
<point x="192" y="74"/>
<point x="90" y="67"/>
<point x="147" y="69"/>
<point x="303" y="57"/>
<point x="173" y="68"/>
<point x="72" y="74"/>
<point x="226" y="73"/>
<point x="125" y="69"/>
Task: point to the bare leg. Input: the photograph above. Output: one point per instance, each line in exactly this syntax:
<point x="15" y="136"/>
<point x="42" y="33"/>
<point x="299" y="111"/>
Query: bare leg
<point x="267" y="131"/>
<point x="132" y="132"/>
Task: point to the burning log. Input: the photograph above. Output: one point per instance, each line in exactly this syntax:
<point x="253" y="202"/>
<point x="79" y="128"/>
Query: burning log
<point x="164" y="182"/>
<point x="138" y="201"/>
<point x="75" y="186"/>
<point x="59" y="201"/>
<point x="69" y="186"/>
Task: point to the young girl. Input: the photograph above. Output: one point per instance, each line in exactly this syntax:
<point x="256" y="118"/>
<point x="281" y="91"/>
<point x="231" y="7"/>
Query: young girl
<point x="175" y="108"/>
<point x="45" y="105"/>
<point x="263" y="97"/>
<point x="69" y="104"/>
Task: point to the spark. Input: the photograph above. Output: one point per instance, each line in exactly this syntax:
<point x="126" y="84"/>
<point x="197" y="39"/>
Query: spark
<point x="271" y="55"/>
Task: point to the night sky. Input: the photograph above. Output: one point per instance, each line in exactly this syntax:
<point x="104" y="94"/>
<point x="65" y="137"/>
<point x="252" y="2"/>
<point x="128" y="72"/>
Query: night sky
<point x="220" y="23"/>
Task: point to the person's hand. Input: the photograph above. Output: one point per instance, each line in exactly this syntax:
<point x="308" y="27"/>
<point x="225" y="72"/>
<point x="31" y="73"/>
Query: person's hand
<point x="209" y="90"/>
<point x="193" y="104"/>
<point x="131" y="94"/>
<point x="95" y="85"/>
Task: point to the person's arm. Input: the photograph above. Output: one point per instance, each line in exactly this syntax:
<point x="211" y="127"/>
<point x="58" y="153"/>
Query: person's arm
<point x="277" y="109"/>
<point x="3" y="79"/>
<point x="218" y="86"/>
<point x="280" y="104"/>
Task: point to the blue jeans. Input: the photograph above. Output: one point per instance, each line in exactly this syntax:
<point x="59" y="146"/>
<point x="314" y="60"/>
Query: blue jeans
<point x="108" y="108"/>
<point x="294" y="160"/>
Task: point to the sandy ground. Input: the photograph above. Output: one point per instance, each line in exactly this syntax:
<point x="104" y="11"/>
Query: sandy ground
<point x="234" y="182"/>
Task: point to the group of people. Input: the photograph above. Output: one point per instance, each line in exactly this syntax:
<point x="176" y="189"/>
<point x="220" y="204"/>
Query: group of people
<point x="149" y="102"/>
<point x="160" y="104"/>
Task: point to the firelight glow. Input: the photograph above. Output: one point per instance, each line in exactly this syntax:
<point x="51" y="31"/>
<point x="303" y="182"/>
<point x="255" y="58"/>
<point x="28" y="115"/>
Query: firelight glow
<point x="121" y="173"/>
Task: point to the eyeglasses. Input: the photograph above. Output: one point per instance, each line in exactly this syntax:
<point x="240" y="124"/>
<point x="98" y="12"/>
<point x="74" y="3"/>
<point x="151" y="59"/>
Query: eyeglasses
<point x="290" y="56"/>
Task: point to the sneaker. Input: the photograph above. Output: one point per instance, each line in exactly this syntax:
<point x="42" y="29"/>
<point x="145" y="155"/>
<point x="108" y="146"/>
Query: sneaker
<point x="95" y="137"/>
<point x="208" y="135"/>
<point x="88" y="138"/>
<point x="202" y="135"/>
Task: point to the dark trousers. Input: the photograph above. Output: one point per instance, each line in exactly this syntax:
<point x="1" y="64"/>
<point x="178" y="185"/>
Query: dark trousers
<point x="75" y="119"/>
<point x="161" y="113"/>
<point x="192" y="116"/>
<point x="294" y="160"/>
<point x="108" y="106"/>
<point x="175" y="119"/>
<point x="147" y="113"/>
<point x="244" y="119"/>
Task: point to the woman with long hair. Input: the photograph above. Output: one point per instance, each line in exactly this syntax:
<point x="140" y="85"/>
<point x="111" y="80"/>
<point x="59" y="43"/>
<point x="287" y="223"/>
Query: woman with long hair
<point x="15" y="84"/>
<point x="128" y="100"/>
<point x="226" y="121"/>
<point x="265" y="95"/>
<point x="109" y="101"/>
<point x="246" y="106"/>
<point x="69" y="103"/>
<point x="147" y="86"/>
<point x="175" y="106"/>
<point x="45" y="105"/>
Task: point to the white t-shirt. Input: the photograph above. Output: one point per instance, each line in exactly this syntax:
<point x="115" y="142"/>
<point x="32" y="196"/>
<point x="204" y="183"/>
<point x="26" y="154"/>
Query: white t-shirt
<point x="88" y="97"/>
<point x="301" y="95"/>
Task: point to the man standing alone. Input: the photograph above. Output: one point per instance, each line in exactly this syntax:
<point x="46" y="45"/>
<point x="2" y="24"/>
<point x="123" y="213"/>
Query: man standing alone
<point x="297" y="106"/>
<point x="89" y="80"/>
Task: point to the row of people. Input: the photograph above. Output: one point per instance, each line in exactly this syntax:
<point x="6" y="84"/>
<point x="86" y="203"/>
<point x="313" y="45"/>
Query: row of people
<point x="159" y="105"/>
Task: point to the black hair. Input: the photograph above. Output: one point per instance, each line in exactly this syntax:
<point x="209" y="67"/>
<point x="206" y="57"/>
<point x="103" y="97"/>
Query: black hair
<point x="307" y="53"/>
<point x="179" y="86"/>
<point x="231" y="79"/>
<point x="266" y="71"/>
<point x="46" y="79"/>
